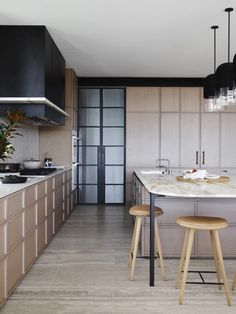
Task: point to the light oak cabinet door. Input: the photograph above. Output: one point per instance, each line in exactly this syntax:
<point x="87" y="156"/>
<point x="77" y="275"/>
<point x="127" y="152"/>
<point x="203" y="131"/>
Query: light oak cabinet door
<point x="143" y="99"/>
<point x="2" y="281"/>
<point x="30" y="249"/>
<point x="228" y="147"/>
<point x="170" y="138"/>
<point x="30" y="218"/>
<point x="2" y="209"/>
<point x="2" y="240"/>
<point x="14" y="269"/>
<point x="30" y="196"/>
<point x="14" y="231"/>
<point x="210" y="140"/>
<point x="170" y="99"/>
<point x="190" y="140"/>
<point x="190" y="99"/>
<point x="41" y="237"/>
<point x="41" y="210"/>
<point x="50" y="226"/>
<point x="14" y="204"/>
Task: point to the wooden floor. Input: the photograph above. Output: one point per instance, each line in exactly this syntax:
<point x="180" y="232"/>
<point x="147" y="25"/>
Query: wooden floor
<point x="84" y="270"/>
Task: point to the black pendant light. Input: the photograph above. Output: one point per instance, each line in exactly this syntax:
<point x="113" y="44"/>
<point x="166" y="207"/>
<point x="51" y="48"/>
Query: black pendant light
<point x="224" y="75"/>
<point x="209" y="90"/>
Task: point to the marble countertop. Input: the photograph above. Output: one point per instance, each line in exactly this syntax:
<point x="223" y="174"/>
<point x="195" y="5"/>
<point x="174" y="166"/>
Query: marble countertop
<point x="7" y="189"/>
<point x="167" y="185"/>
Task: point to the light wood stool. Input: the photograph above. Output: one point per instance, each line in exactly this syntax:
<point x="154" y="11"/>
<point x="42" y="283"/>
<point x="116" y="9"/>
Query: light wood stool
<point x="212" y="224"/>
<point x="234" y="282"/>
<point x="141" y="211"/>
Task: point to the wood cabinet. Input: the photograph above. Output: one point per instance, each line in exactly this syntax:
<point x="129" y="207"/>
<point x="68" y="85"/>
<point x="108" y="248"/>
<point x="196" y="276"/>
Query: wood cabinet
<point x="28" y="220"/>
<point x="228" y="147"/>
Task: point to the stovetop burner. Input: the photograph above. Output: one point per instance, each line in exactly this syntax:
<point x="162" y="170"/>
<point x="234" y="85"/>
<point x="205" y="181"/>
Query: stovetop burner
<point x="37" y="172"/>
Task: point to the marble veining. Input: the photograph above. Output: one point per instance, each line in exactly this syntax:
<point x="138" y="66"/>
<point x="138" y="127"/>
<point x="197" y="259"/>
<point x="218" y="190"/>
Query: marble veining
<point x="167" y="185"/>
<point x="85" y="270"/>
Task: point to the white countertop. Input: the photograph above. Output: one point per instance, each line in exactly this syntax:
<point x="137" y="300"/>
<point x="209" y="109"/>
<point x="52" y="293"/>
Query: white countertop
<point x="167" y="185"/>
<point x="7" y="189"/>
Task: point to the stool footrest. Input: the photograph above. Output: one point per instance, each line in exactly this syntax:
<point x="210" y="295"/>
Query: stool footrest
<point x="203" y="282"/>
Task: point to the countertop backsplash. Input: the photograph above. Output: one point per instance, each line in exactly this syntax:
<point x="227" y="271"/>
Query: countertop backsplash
<point x="26" y="146"/>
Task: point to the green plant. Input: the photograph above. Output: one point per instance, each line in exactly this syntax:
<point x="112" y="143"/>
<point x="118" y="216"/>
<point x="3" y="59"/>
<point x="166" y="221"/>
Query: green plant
<point x="9" y="126"/>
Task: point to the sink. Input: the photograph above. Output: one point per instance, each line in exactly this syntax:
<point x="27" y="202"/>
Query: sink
<point x="159" y="171"/>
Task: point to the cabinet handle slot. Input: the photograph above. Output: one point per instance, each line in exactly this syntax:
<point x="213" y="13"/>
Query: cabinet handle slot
<point x="196" y="157"/>
<point x="203" y="157"/>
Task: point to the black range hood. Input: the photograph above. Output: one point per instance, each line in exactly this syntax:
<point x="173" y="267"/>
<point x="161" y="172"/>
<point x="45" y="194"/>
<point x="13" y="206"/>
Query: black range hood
<point x="32" y="74"/>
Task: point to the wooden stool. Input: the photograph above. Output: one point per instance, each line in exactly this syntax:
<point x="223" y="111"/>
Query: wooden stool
<point x="141" y="211"/>
<point x="213" y="224"/>
<point x="234" y="282"/>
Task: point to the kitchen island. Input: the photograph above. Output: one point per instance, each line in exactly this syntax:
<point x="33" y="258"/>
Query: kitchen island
<point x="178" y="198"/>
<point x="31" y="213"/>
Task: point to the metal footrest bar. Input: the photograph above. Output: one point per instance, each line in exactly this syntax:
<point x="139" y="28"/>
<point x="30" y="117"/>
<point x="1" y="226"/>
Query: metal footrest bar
<point x="203" y="282"/>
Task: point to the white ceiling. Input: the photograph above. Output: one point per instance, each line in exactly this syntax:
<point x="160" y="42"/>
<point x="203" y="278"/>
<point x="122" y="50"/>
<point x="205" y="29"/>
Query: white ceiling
<point x="131" y="38"/>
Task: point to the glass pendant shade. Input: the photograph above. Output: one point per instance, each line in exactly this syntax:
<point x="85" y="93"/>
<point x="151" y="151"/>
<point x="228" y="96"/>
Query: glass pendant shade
<point x="225" y="83"/>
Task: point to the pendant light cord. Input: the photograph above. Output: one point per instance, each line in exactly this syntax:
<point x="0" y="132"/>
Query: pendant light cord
<point x="214" y="27"/>
<point x="229" y="10"/>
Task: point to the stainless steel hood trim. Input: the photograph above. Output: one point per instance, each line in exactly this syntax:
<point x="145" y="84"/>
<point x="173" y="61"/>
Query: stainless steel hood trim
<point x="33" y="100"/>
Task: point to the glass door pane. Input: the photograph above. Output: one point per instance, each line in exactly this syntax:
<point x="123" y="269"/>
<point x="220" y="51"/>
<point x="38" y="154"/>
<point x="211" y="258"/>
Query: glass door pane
<point x="89" y="97"/>
<point x="113" y="97"/>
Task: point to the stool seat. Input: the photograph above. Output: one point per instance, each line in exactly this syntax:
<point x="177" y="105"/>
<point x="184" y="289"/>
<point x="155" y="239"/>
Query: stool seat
<point x="144" y="210"/>
<point x="202" y="222"/>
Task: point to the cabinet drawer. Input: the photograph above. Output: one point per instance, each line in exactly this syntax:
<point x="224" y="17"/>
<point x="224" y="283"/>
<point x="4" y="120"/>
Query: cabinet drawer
<point x="2" y="241"/>
<point x="50" y="226"/>
<point x="50" y="205"/>
<point x="30" y="218"/>
<point x="41" y="213"/>
<point x="50" y="185"/>
<point x="14" y="204"/>
<point x="14" y="231"/>
<point x="227" y="239"/>
<point x="2" y="210"/>
<point x="14" y="267"/>
<point x="41" y="237"/>
<point x="2" y="282"/>
<point x="218" y="208"/>
<point x="30" y="249"/>
<point x="58" y="221"/>
<point x="30" y="196"/>
<point x="58" y="181"/>
<point x="59" y="199"/>
<point x="41" y="190"/>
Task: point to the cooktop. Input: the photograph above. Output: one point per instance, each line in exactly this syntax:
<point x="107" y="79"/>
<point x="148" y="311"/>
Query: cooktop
<point x="37" y="172"/>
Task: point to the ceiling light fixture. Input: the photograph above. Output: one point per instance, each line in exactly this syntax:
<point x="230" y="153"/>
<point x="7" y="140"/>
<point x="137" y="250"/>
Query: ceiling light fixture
<point x="209" y="89"/>
<point x="224" y="75"/>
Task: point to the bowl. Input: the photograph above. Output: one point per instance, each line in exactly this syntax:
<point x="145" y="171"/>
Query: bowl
<point x="32" y="164"/>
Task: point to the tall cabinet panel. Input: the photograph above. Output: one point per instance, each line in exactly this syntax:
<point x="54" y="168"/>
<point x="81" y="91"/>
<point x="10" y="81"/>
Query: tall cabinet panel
<point x="170" y="137"/>
<point x="228" y="131"/>
<point x="210" y="139"/>
<point x="189" y="140"/>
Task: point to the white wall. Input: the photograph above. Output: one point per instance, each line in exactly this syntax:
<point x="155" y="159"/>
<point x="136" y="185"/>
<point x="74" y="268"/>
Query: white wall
<point x="26" y="146"/>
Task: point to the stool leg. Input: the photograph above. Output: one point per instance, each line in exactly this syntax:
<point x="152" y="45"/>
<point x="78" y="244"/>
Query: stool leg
<point x="215" y="259"/>
<point x="132" y="243"/>
<point x="136" y="241"/>
<point x="159" y="251"/>
<point x="234" y="282"/>
<point x="183" y="255"/>
<point x="221" y="264"/>
<point x="188" y="254"/>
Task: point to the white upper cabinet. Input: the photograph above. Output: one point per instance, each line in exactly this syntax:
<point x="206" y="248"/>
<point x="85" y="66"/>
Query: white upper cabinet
<point x="228" y="146"/>
<point x="170" y="138"/>
<point x="210" y="140"/>
<point x="189" y="140"/>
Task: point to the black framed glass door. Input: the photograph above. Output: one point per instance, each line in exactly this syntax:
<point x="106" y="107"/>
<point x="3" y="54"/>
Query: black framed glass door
<point x="101" y="176"/>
